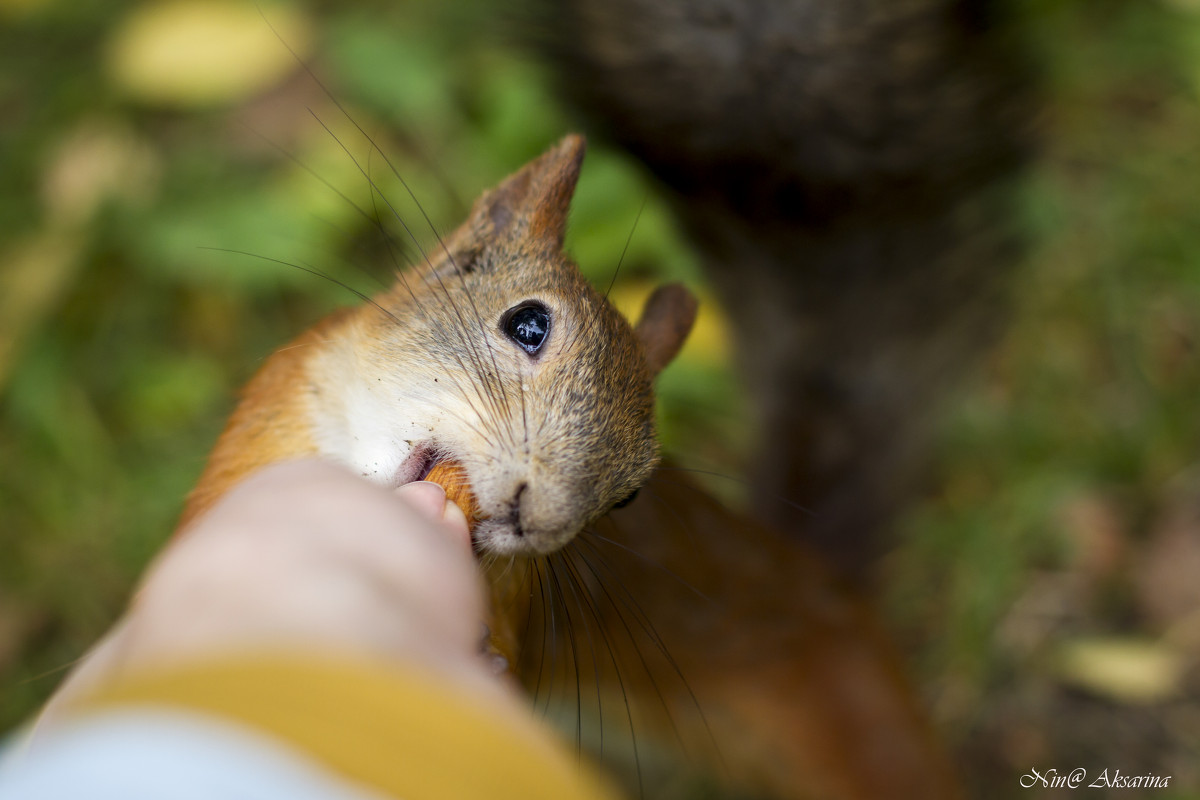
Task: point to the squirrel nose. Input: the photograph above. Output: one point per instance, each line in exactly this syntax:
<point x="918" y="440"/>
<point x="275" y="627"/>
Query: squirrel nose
<point x="514" y="512"/>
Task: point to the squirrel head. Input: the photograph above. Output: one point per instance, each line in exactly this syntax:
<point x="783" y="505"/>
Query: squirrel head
<point x="498" y="354"/>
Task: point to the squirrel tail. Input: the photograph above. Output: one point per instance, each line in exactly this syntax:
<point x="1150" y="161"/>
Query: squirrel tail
<point x="843" y="168"/>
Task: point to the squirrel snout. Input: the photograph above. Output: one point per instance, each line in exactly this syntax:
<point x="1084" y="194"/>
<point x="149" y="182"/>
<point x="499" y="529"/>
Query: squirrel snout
<point x="514" y="513"/>
<point x="528" y="522"/>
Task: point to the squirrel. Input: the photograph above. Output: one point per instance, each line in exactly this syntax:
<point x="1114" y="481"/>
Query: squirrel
<point x="495" y="369"/>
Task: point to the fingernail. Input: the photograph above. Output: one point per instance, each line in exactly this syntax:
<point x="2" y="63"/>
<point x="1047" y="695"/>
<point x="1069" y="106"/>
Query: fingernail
<point x="456" y="522"/>
<point x="454" y="516"/>
<point x="426" y="498"/>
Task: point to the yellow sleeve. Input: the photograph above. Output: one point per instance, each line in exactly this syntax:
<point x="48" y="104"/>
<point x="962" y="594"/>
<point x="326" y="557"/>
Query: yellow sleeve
<point x="402" y="731"/>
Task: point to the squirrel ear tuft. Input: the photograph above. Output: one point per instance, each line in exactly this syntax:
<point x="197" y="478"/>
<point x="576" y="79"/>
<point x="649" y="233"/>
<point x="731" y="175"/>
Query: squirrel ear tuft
<point x="666" y="320"/>
<point x="532" y="204"/>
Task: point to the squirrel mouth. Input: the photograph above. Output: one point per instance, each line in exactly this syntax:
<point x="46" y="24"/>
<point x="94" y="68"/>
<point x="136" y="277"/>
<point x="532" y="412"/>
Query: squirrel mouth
<point x="420" y="462"/>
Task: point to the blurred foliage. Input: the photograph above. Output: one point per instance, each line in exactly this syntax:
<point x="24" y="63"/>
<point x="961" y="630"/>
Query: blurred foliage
<point x="1060" y="465"/>
<point x="173" y="185"/>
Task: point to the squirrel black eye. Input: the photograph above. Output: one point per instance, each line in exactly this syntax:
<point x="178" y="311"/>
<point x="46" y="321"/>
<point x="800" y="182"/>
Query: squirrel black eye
<point x="627" y="500"/>
<point x="528" y="326"/>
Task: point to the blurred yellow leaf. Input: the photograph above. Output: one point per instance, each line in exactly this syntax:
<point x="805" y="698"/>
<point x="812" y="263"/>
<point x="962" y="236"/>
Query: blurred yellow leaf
<point x="1187" y="6"/>
<point x="193" y="53"/>
<point x="95" y="161"/>
<point x="33" y="273"/>
<point x="1123" y="669"/>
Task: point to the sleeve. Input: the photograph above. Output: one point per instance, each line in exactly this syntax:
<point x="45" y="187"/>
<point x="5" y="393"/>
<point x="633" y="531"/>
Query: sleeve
<point x="344" y="729"/>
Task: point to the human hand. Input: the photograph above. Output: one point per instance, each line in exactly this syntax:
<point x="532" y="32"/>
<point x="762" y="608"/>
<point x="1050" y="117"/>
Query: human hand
<point x="307" y="556"/>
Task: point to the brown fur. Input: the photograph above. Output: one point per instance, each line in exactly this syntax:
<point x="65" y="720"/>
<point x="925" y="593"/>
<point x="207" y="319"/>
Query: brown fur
<point x="268" y="425"/>
<point x="779" y="678"/>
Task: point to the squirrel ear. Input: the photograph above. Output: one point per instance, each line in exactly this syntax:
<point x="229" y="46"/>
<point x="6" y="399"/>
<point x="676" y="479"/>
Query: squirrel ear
<point x="666" y="320"/>
<point x="532" y="204"/>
